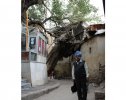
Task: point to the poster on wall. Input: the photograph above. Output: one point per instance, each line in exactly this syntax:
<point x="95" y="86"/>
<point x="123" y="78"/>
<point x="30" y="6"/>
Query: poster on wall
<point x="39" y="45"/>
<point x="45" y="50"/>
<point x="42" y="47"/>
<point x="32" y="42"/>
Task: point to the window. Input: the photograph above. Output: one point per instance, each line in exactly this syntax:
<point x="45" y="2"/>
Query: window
<point x="90" y="50"/>
<point x="33" y="56"/>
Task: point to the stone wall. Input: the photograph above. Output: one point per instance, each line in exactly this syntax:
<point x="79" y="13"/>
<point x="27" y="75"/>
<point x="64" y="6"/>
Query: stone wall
<point x="93" y="52"/>
<point x="38" y="73"/>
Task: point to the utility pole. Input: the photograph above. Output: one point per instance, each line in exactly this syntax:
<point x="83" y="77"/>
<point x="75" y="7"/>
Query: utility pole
<point x="27" y="44"/>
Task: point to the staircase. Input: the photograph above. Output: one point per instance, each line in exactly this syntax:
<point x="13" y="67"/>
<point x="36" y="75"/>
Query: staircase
<point x="25" y="85"/>
<point x="100" y="92"/>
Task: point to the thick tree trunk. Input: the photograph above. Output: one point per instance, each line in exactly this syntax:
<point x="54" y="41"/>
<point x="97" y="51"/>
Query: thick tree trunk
<point x="53" y="58"/>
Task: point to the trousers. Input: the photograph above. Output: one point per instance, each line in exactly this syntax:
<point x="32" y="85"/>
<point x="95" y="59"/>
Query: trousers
<point x="81" y="88"/>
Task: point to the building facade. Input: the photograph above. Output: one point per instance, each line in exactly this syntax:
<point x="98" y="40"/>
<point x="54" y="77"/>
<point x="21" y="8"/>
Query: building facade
<point x="33" y="61"/>
<point x="93" y="52"/>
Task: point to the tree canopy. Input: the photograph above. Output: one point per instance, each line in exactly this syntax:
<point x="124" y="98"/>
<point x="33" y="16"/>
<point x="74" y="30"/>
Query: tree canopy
<point x="73" y="11"/>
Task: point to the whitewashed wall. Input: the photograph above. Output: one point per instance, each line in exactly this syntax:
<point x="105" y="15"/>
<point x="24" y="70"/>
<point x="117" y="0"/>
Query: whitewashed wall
<point x="38" y="73"/>
<point x="41" y="59"/>
<point x="25" y="71"/>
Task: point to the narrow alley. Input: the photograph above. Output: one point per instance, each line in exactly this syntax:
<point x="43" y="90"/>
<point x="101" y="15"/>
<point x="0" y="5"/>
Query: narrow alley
<point x="64" y="92"/>
<point x="58" y="45"/>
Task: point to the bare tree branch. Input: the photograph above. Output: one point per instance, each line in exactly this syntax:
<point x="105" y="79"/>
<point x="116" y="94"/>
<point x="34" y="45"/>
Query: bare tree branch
<point x="31" y="22"/>
<point x="47" y="19"/>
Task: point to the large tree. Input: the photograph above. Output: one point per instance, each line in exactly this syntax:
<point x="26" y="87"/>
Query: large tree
<point x="76" y="11"/>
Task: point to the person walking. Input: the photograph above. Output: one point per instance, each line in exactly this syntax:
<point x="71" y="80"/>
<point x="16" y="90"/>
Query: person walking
<point x="80" y="75"/>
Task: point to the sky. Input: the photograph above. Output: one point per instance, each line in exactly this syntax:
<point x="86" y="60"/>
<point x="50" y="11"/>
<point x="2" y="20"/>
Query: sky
<point x="99" y="5"/>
